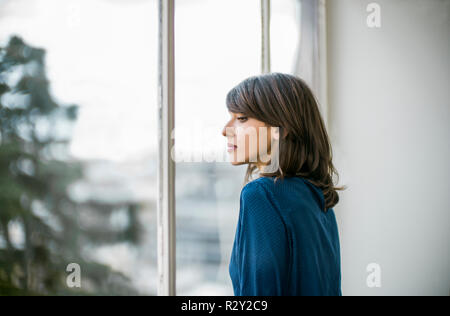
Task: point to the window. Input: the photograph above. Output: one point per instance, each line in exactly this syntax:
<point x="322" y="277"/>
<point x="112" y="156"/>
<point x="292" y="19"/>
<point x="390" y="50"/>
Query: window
<point x="91" y="202"/>
<point x="217" y="44"/>
<point x="79" y="139"/>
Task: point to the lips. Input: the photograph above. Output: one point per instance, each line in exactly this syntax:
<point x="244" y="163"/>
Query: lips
<point x="231" y="147"/>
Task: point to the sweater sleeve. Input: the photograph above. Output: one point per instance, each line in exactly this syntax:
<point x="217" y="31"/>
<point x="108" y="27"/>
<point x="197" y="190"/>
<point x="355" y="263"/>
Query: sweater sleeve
<point x="262" y="245"/>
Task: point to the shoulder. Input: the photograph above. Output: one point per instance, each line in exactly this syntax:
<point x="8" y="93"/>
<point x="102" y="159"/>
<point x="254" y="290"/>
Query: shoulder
<point x="277" y="187"/>
<point x="257" y="188"/>
<point x="284" y="191"/>
<point x="259" y="195"/>
<point x="258" y="203"/>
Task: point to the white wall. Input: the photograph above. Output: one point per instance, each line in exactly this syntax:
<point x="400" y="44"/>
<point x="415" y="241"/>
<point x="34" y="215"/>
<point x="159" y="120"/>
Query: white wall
<point x="389" y="116"/>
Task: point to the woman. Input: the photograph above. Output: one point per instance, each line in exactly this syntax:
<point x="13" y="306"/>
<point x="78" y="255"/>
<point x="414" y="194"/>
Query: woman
<point x="286" y="241"/>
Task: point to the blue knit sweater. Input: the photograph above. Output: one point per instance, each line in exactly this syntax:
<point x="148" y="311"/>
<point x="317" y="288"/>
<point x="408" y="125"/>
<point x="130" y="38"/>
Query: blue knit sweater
<point x="285" y="244"/>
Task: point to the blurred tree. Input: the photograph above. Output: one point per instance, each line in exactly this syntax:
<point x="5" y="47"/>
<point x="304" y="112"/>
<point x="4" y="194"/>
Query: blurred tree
<point x="39" y="222"/>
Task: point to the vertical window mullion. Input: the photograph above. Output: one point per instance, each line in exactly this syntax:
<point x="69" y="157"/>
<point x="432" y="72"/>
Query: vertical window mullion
<point x="265" y="36"/>
<point x="166" y="234"/>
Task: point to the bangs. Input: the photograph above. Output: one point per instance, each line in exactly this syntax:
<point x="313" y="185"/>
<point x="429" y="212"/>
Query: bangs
<point x="236" y="100"/>
<point x="233" y="101"/>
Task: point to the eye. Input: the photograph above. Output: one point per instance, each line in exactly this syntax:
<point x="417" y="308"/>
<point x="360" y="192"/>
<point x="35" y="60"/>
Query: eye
<point x="242" y="118"/>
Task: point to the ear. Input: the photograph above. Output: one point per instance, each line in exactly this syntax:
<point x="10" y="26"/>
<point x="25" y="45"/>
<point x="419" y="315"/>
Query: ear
<point x="275" y="130"/>
<point x="283" y="131"/>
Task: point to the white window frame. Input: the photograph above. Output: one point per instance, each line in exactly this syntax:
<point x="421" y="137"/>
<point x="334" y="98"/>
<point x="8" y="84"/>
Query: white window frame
<point x="166" y="165"/>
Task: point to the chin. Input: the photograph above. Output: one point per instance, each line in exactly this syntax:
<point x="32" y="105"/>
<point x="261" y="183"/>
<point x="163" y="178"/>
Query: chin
<point x="237" y="163"/>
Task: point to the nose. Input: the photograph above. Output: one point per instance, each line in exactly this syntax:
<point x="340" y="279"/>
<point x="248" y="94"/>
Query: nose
<point x="228" y="128"/>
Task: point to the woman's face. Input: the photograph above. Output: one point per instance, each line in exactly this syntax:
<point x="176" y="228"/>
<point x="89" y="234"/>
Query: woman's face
<point x="249" y="140"/>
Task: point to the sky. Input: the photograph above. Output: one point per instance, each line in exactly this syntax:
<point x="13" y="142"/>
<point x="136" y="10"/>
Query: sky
<point x="102" y="55"/>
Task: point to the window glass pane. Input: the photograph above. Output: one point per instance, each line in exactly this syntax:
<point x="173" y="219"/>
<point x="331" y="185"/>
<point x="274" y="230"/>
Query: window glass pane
<point x="92" y="200"/>
<point x="217" y="45"/>
<point x="284" y="34"/>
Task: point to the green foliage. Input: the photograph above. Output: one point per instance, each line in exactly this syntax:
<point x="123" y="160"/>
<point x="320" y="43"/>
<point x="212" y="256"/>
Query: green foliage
<point x="31" y="175"/>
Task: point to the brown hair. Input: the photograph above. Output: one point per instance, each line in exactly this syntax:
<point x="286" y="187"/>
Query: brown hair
<point x="286" y="101"/>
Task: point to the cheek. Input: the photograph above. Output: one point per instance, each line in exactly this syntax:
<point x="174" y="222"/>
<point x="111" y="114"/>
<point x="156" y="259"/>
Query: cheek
<point x="264" y="142"/>
<point x="241" y="138"/>
<point x="242" y="141"/>
<point x="248" y="146"/>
